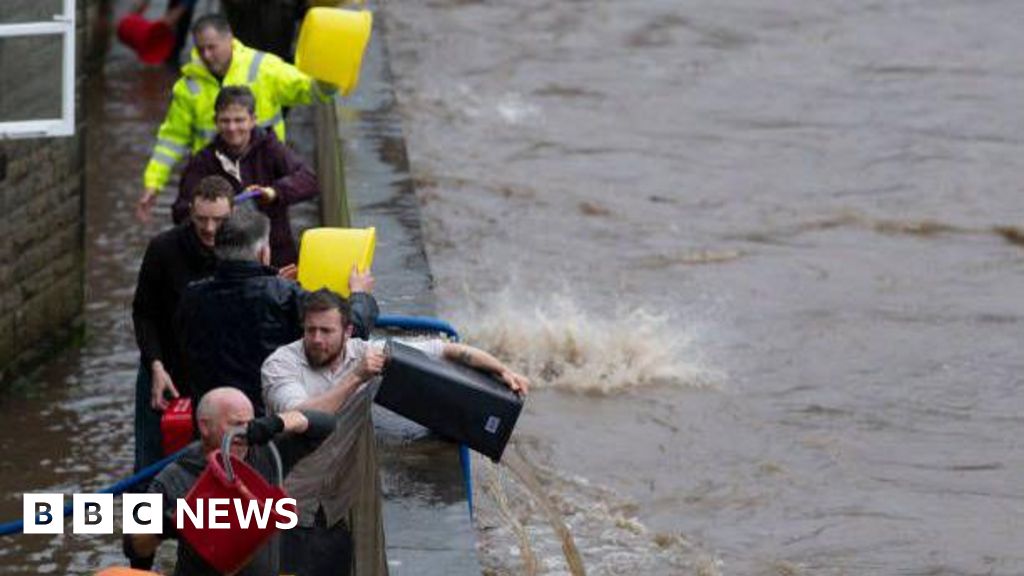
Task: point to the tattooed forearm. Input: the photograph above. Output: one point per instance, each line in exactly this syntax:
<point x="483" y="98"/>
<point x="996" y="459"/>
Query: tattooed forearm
<point x="466" y="357"/>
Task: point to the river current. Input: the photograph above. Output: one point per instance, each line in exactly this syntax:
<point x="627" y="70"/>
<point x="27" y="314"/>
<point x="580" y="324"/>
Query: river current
<point x="761" y="261"/>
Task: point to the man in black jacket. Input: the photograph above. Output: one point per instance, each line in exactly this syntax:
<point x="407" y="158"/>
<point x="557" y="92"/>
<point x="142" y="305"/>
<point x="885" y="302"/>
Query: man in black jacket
<point x="173" y="259"/>
<point x="230" y="323"/>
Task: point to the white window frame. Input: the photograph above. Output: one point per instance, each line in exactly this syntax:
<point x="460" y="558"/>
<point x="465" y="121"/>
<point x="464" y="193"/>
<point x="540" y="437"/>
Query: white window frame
<point x="64" y="25"/>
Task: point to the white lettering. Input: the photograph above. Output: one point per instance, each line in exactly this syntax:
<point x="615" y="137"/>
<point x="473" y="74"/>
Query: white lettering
<point x="182" y="509"/>
<point x="252" y="510"/>
<point x="143" y="513"/>
<point x="218" y="508"/>
<point x="286" y="507"/>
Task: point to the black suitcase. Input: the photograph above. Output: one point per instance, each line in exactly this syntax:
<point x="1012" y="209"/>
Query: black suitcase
<point x="454" y="401"/>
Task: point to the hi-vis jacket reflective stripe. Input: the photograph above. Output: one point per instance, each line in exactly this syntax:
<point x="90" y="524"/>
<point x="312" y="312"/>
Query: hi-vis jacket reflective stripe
<point x="189" y="124"/>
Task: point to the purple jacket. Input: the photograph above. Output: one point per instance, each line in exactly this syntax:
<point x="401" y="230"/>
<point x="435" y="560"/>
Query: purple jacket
<point x="267" y="162"/>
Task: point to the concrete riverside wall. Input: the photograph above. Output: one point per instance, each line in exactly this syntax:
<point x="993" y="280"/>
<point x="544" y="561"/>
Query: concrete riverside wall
<point x="42" y="187"/>
<point x="426" y="518"/>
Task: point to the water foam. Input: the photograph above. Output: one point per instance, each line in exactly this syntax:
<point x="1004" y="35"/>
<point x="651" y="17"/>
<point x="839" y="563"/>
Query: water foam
<point x="535" y="520"/>
<point x="559" y="345"/>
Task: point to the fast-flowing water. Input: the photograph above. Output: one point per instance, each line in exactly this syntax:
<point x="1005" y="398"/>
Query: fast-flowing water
<point x="759" y="259"/>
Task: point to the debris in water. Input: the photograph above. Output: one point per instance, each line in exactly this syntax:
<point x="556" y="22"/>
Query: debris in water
<point x="527" y="509"/>
<point x="593" y="209"/>
<point x="1011" y="234"/>
<point x="691" y="258"/>
<point x="916" y="228"/>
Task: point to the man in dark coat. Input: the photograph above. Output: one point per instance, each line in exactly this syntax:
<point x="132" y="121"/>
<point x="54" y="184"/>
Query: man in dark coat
<point x="172" y="260"/>
<point x="230" y="323"/>
<point x="252" y="159"/>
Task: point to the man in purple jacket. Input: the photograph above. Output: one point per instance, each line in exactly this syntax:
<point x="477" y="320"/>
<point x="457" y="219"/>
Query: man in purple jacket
<point x="252" y="159"/>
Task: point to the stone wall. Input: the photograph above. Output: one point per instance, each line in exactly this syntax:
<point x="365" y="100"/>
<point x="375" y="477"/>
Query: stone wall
<point x="42" y="191"/>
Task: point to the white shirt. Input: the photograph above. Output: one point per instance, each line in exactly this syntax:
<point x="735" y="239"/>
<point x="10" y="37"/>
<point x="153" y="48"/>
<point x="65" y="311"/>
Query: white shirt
<point x="289" y="379"/>
<point x="327" y="477"/>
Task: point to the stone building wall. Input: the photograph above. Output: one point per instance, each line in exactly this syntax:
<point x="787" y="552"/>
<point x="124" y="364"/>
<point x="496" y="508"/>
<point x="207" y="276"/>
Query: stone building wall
<point x="42" y="191"/>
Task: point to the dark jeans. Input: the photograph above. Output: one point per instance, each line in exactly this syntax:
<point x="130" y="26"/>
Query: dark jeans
<point x="147" y="423"/>
<point x="317" y="551"/>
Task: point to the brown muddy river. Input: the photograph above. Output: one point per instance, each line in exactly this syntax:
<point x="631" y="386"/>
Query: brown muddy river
<point x="750" y="252"/>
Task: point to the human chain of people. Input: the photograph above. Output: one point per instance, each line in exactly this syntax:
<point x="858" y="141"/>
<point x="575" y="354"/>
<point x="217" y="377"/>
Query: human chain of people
<point x="253" y="395"/>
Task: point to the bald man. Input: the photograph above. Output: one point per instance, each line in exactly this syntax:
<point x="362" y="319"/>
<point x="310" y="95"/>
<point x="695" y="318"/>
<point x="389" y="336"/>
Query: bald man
<point x="295" y="433"/>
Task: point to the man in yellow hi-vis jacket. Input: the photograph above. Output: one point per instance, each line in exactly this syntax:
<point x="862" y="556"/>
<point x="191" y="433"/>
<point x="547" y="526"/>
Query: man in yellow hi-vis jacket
<point x="220" y="60"/>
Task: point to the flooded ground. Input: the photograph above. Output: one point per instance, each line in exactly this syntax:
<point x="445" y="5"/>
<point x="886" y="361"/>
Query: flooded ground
<point x="755" y="255"/>
<point x="68" y="426"/>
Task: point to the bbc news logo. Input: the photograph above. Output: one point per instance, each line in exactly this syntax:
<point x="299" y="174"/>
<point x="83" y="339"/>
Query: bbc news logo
<point x="144" y="513"/>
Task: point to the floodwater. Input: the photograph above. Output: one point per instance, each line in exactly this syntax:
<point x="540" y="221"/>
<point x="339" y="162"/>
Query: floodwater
<point x="68" y="426"/>
<point x="760" y="259"/>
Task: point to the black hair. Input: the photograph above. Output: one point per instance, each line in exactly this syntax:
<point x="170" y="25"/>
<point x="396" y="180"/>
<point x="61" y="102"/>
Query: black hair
<point x="235" y="95"/>
<point x="214" y="187"/>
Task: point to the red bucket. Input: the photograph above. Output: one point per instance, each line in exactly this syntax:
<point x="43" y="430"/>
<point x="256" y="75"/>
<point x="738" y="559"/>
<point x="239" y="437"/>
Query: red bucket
<point x="229" y="550"/>
<point x="152" y="40"/>
<point x="176" y="430"/>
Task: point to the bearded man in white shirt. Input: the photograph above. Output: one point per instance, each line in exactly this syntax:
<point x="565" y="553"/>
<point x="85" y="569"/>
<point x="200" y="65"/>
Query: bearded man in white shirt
<point x="337" y="487"/>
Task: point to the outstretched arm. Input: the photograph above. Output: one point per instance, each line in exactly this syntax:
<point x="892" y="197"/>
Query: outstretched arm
<point x="173" y="142"/>
<point x="481" y="360"/>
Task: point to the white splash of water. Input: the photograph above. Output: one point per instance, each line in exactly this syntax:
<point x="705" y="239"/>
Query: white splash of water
<point x="514" y="109"/>
<point x="559" y="345"/>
